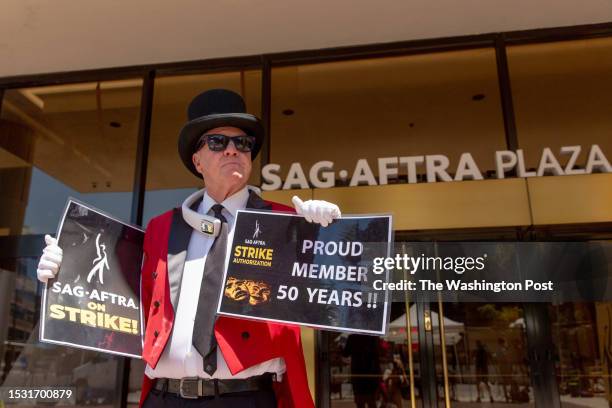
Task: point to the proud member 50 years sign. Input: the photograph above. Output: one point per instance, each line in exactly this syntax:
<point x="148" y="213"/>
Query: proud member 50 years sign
<point x="282" y="268"/>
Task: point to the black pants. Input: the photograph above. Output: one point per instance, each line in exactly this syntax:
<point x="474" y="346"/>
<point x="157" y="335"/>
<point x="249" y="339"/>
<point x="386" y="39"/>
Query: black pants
<point x="250" y="399"/>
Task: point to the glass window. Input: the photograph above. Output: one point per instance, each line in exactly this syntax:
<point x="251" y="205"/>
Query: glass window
<point x="582" y="337"/>
<point x="371" y="371"/>
<point x="486" y="349"/>
<point x="440" y="103"/>
<point x="562" y="94"/>
<point x="74" y="140"/>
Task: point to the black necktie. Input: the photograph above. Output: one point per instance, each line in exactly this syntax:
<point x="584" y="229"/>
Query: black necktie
<point x="203" y="329"/>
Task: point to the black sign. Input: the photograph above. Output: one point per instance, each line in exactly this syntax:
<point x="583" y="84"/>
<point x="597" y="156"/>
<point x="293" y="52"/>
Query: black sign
<point x="282" y="268"/>
<point x="94" y="302"/>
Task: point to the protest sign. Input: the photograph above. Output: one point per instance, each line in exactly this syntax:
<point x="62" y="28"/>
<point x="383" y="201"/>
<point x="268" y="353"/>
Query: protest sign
<point x="94" y="301"/>
<point x="282" y="268"/>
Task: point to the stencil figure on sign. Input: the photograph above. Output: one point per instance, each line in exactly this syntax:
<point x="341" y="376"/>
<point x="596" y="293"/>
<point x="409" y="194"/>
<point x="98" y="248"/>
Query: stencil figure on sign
<point x="101" y="262"/>
<point x="257" y="230"/>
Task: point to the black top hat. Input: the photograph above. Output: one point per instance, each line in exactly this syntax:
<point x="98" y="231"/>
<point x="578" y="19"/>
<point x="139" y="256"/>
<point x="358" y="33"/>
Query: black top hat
<point x="211" y="109"/>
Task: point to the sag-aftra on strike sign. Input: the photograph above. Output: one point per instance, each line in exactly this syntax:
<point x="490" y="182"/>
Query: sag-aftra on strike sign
<point x="94" y="302"/>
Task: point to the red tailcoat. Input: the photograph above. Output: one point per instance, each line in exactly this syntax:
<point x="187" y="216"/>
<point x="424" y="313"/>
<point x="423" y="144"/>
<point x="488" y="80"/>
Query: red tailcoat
<point x="244" y="343"/>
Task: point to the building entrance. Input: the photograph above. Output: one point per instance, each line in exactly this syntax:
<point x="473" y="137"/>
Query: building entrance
<point x="474" y="355"/>
<point x="466" y="353"/>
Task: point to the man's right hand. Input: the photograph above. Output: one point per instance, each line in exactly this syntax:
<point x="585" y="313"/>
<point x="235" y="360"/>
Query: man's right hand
<point x="50" y="260"/>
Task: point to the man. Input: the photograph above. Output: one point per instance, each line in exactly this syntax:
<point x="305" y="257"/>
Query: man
<point x="365" y="368"/>
<point x="504" y="363"/>
<point x="194" y="358"/>
<point x="481" y="361"/>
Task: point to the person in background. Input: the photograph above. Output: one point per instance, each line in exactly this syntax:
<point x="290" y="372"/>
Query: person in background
<point x="504" y="362"/>
<point x="365" y="368"/>
<point x="481" y="361"/>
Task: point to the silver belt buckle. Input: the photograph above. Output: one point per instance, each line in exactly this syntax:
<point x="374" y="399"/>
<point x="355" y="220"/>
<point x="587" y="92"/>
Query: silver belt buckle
<point x="190" y="387"/>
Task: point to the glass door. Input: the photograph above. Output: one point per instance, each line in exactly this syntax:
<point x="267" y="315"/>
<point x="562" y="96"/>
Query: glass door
<point x="71" y="140"/>
<point x="482" y="356"/>
<point x="370" y="371"/>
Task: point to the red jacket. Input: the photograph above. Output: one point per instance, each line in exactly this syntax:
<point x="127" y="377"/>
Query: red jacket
<point x="244" y="343"/>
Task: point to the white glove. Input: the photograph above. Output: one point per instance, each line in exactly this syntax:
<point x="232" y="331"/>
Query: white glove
<point x="319" y="211"/>
<point x="50" y="260"/>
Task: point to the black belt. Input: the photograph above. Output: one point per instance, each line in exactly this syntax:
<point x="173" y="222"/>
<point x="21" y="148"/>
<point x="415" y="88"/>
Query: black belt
<point x="193" y="387"/>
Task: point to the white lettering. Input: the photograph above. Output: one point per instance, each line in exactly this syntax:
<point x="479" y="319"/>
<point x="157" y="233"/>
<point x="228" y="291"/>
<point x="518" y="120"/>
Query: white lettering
<point x="342" y="248"/>
<point x="411" y="163"/>
<point x="387" y="167"/>
<point x="272" y="180"/>
<point x="597" y="161"/>
<point x="505" y="160"/>
<point x="299" y="269"/>
<point x="322" y="175"/>
<point x="549" y="164"/>
<point x="327" y="177"/>
<point x="436" y="165"/>
<point x="522" y="172"/>
<point x="362" y="174"/>
<point x="295" y="178"/>
<point x="467" y="169"/>
<point x="571" y="162"/>
<point x="306" y="245"/>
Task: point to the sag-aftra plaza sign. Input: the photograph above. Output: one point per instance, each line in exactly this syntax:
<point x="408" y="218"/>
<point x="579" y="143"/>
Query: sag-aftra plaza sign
<point x="437" y="168"/>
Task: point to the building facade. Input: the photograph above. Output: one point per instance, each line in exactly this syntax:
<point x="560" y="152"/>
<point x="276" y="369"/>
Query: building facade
<point x="397" y="110"/>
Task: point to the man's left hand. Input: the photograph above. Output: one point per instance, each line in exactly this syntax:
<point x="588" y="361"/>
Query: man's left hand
<point x="319" y="211"/>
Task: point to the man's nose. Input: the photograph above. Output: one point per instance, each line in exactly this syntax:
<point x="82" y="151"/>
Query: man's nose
<point x="230" y="150"/>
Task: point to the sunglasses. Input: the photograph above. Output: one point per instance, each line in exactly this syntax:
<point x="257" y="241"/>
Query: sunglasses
<point x="218" y="143"/>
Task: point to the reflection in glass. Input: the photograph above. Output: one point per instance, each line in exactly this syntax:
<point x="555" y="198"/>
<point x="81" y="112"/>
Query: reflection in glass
<point x="486" y="352"/>
<point x="74" y="140"/>
<point x="364" y="369"/>
<point x="371" y="371"/>
<point x="387" y="107"/>
<point x="562" y="93"/>
<point x="68" y="140"/>
<point x="583" y="352"/>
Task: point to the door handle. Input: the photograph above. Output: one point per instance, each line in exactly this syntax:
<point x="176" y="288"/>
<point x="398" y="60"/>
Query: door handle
<point x="427" y="318"/>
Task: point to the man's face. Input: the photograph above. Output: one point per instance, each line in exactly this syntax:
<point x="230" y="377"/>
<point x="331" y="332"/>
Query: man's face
<point x="229" y="166"/>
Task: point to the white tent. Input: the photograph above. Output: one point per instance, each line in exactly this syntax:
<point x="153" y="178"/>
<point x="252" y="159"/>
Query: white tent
<point x="397" y="328"/>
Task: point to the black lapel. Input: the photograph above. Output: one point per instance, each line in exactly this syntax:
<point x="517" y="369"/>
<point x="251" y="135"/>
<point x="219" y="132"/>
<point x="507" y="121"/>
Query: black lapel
<point x="178" y="241"/>
<point x="255" y="202"/>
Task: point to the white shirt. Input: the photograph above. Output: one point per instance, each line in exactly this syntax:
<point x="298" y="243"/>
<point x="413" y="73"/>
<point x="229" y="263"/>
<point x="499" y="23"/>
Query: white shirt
<point x="179" y="358"/>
